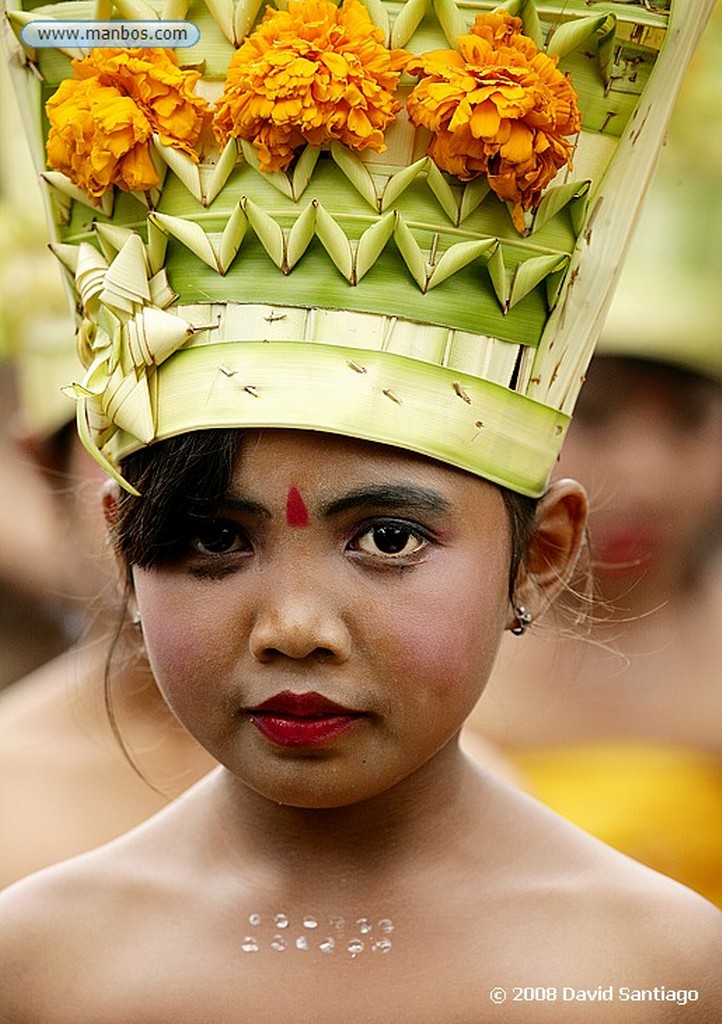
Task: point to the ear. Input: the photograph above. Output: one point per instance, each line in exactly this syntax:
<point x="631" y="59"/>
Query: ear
<point x="553" y="548"/>
<point x="109" y="499"/>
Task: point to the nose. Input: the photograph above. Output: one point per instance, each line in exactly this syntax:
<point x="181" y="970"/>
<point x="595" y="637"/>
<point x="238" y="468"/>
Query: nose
<point x="296" y="619"/>
<point x="645" y="460"/>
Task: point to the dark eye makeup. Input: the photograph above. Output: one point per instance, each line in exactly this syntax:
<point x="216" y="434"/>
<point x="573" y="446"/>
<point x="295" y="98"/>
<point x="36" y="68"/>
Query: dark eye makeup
<point x="208" y="547"/>
<point x="215" y="547"/>
<point x="217" y="537"/>
<point x="390" y="540"/>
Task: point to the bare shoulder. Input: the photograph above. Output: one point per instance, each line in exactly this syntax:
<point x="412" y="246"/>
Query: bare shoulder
<point x="77" y="912"/>
<point x="44" y="924"/>
<point x="654" y="944"/>
<point x="672" y="923"/>
<point x="90" y="919"/>
<point x="589" y="924"/>
<point x="96" y="919"/>
<point x="53" y="895"/>
<point x="661" y="947"/>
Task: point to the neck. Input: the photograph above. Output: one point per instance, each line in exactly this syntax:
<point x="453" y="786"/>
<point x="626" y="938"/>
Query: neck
<point x="365" y="844"/>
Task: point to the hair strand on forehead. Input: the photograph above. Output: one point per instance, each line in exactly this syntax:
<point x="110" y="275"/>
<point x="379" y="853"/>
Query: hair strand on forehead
<point x="187" y="476"/>
<point x="183" y="477"/>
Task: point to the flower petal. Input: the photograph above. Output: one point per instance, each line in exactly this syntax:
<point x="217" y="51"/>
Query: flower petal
<point x="498" y="103"/>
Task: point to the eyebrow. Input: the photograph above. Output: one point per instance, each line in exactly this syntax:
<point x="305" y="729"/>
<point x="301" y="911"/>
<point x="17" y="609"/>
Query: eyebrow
<point x="235" y="503"/>
<point x="406" y="497"/>
<point x="409" y="497"/>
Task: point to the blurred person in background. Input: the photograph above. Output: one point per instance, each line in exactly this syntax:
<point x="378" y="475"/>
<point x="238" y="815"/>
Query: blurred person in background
<point x="617" y="725"/>
<point x="34" y="620"/>
<point x="31" y="629"/>
<point x="65" y="784"/>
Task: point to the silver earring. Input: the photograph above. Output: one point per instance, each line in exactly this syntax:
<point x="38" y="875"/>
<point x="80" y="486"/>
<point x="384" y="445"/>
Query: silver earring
<point x="137" y="621"/>
<point x="523" y="620"/>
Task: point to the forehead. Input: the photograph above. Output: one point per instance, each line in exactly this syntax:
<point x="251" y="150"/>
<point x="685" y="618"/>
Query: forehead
<point x="283" y="464"/>
<point x="626" y="380"/>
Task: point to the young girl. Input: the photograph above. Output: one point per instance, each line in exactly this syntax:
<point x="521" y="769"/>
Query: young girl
<point x="325" y="531"/>
<point x="322" y="616"/>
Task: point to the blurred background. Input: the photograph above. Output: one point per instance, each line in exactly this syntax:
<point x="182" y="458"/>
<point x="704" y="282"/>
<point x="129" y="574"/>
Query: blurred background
<point x="37" y="616"/>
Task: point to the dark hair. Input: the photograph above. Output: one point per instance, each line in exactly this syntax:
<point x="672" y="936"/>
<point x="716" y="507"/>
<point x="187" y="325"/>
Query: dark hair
<point x="178" y="479"/>
<point x="186" y="477"/>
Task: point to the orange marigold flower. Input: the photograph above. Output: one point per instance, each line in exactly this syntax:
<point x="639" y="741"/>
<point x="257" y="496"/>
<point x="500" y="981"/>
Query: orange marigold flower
<point x="311" y="74"/>
<point x="498" y="106"/>
<point x="162" y="90"/>
<point x="102" y="119"/>
<point x="99" y="138"/>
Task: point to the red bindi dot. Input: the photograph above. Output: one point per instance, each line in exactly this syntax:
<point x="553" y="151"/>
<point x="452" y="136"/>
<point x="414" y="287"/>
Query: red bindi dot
<point x="296" y="511"/>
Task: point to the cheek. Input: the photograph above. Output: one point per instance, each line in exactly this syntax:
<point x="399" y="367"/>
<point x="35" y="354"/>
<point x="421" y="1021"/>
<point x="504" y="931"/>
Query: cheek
<point x="447" y="638"/>
<point x="183" y="638"/>
<point x="700" y="475"/>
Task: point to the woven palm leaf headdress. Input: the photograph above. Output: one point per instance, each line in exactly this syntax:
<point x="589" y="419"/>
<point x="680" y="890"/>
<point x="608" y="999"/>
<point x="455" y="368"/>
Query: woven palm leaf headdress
<point x="395" y="221"/>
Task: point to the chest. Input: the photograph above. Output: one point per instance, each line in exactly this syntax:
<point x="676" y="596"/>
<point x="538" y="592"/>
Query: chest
<point x="321" y="990"/>
<point x="323" y="974"/>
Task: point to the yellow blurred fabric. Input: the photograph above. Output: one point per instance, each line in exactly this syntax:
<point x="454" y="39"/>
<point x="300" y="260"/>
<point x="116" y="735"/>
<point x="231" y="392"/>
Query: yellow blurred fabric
<point x="658" y="803"/>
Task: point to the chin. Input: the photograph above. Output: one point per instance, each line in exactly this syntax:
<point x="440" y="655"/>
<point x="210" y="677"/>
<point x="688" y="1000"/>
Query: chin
<point x="310" y="784"/>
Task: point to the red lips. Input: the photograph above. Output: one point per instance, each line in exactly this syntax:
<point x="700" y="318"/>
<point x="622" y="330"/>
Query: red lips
<point x="302" y="719"/>
<point x="626" y="547"/>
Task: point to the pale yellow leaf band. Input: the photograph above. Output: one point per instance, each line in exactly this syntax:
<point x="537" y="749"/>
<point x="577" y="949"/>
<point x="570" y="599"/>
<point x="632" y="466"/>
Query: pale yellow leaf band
<point x="464" y="421"/>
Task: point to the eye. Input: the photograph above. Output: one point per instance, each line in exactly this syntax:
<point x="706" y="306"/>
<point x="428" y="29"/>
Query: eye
<point x="217" y="537"/>
<point x="390" y="540"/>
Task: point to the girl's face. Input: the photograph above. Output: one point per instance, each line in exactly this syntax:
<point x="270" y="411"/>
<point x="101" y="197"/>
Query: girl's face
<point x="330" y="629"/>
<point x="647" y="443"/>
